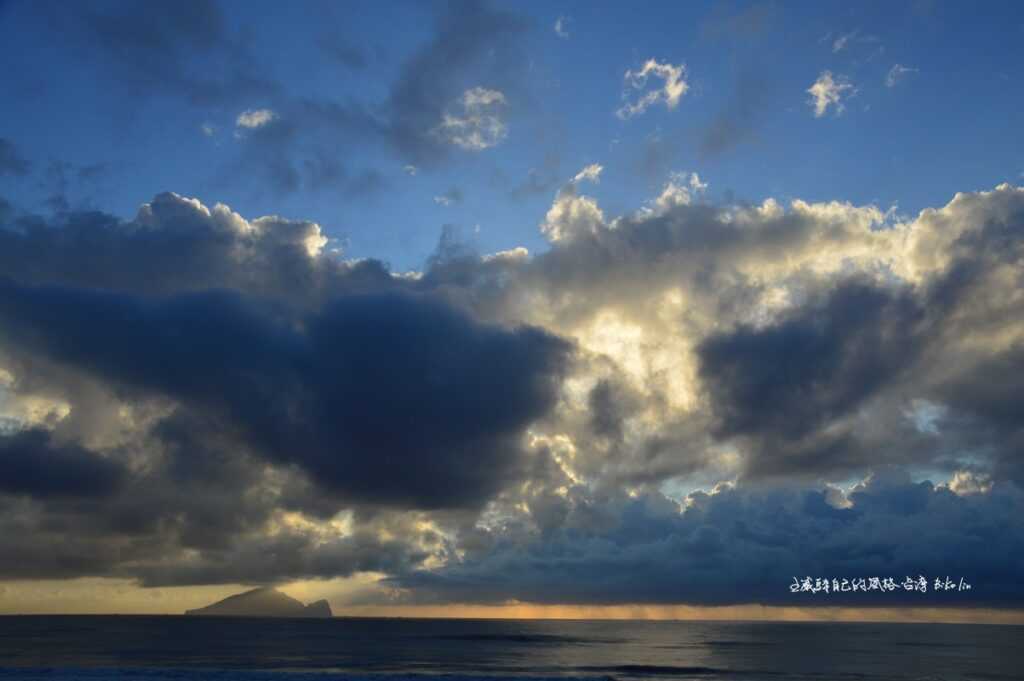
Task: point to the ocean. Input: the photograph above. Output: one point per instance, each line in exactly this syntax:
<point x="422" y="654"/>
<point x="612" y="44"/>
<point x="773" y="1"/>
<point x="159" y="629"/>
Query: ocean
<point x="150" y="648"/>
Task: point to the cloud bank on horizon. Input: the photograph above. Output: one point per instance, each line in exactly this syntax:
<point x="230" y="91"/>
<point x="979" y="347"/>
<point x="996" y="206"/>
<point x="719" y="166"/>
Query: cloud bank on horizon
<point x="607" y="382"/>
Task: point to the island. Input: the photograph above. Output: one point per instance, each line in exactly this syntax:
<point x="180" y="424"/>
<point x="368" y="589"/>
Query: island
<point x="263" y="602"/>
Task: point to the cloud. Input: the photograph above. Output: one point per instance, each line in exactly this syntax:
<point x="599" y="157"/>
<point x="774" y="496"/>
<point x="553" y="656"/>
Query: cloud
<point x="740" y="545"/>
<point x="475" y="123"/>
<point x="31" y="463"/>
<point x="321" y="398"/>
<point x="806" y="381"/>
<point x="562" y="27"/>
<point x="452" y="196"/>
<point x="306" y="148"/>
<point x="675" y="86"/>
<point x="896" y="74"/>
<point x="965" y="482"/>
<point x="432" y="82"/>
<point x="592" y="173"/>
<point x="828" y="91"/>
<point x="565" y="415"/>
<point x="839" y="44"/>
<point x="311" y="144"/>
<point x="571" y="214"/>
<point x="255" y="118"/>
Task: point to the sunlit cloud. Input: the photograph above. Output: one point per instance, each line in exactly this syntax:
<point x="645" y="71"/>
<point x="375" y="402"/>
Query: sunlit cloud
<point x="828" y="91"/>
<point x="255" y="118"/>
<point x="475" y="123"/>
<point x="674" y="86"/>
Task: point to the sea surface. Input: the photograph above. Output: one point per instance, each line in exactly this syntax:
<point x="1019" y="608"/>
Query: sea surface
<point x="251" y="649"/>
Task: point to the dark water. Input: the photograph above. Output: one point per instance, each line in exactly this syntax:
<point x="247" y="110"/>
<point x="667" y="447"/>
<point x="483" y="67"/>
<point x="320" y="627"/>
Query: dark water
<point x="93" y="647"/>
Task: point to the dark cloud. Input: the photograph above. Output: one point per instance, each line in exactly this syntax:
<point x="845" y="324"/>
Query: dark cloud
<point x="288" y="555"/>
<point x="814" y="366"/>
<point x="745" y="545"/>
<point x="386" y="398"/>
<point x="32" y="463"/>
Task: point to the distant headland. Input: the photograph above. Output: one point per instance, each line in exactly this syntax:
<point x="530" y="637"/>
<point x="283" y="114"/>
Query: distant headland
<point x="263" y="602"/>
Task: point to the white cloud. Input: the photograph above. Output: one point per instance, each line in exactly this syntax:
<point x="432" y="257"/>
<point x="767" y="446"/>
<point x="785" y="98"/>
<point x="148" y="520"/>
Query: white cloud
<point x="678" y="191"/>
<point x="562" y="27"/>
<point x="479" y="125"/>
<point x="896" y="73"/>
<point x="410" y="169"/>
<point x="208" y="129"/>
<point x="828" y="91"/>
<point x="572" y="214"/>
<point x="442" y="200"/>
<point x="839" y="44"/>
<point x="675" y="86"/>
<point x="591" y="173"/>
<point x="255" y="118"/>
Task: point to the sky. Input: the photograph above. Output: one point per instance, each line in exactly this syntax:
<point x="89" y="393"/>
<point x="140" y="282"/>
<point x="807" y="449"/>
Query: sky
<point x="513" y="309"/>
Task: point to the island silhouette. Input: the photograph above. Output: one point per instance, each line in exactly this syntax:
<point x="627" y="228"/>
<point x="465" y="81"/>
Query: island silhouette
<point x="263" y="602"/>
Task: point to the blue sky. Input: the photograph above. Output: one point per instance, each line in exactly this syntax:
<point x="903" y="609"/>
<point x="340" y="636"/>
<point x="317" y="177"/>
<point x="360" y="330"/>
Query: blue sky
<point x="946" y="125"/>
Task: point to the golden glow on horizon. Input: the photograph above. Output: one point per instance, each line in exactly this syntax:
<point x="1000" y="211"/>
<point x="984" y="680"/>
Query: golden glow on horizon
<point x="113" y="596"/>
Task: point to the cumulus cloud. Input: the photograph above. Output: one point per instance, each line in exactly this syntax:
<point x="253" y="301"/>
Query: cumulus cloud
<point x="896" y="74"/>
<point x="966" y="482"/>
<point x="475" y="123"/>
<point x="271" y="382"/>
<point x="673" y="88"/>
<point x="828" y="91"/>
<point x="663" y="392"/>
<point x="572" y="214"/>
